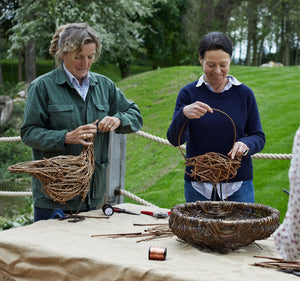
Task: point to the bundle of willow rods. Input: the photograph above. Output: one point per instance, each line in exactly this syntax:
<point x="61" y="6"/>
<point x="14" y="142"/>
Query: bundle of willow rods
<point x="161" y="230"/>
<point x="63" y="177"/>
<point x="212" y="167"/>
<point x="280" y="264"/>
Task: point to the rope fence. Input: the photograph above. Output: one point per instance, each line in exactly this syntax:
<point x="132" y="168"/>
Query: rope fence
<point x="127" y="193"/>
<point x="134" y="197"/>
<point x="16" y="193"/>
<point x="275" y="156"/>
<point x="118" y="190"/>
<point x="10" y="139"/>
<point x="255" y="156"/>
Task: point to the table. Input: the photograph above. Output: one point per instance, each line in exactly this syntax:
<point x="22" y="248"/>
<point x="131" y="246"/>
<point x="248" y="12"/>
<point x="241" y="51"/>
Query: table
<point x="60" y="250"/>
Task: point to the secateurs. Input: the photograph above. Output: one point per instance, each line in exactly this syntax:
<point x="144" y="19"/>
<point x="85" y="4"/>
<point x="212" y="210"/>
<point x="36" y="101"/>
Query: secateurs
<point x="159" y="215"/>
<point x="109" y="210"/>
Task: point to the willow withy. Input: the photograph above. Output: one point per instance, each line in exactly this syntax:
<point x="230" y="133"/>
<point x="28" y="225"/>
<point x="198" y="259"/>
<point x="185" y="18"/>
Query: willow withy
<point x="158" y="230"/>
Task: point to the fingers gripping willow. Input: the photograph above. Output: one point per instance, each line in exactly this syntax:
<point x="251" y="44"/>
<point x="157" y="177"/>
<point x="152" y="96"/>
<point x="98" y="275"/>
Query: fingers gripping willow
<point x="211" y="167"/>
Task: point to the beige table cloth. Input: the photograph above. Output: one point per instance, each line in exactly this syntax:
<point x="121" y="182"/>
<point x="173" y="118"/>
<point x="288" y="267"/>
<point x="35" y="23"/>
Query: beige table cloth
<point x="60" y="250"/>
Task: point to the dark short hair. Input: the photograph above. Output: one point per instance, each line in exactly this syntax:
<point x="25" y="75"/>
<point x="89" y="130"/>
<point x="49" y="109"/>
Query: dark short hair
<point x="215" y="41"/>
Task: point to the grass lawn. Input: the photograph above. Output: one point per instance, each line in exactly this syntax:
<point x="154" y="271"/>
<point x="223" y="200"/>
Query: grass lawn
<point x="155" y="171"/>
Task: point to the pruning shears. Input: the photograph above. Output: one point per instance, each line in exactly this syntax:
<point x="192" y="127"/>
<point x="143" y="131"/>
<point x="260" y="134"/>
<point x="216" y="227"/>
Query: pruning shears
<point x="119" y="210"/>
<point x="159" y="215"/>
<point x="108" y="210"/>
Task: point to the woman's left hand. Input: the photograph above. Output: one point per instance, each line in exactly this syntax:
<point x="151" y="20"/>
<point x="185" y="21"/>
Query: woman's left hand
<point x="109" y="123"/>
<point x="239" y="149"/>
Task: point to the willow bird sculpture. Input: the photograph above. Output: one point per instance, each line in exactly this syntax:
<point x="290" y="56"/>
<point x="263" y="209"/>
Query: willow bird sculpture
<point x="63" y="177"/>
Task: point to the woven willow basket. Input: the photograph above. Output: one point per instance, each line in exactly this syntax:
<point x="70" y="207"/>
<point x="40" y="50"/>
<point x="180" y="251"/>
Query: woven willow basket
<point x="212" y="166"/>
<point x="222" y="225"/>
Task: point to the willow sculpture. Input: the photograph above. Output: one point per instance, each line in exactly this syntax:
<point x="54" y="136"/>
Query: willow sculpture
<point x="63" y="177"/>
<point x="212" y="166"/>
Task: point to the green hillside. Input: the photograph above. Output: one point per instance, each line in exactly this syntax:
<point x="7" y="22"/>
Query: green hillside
<point x="155" y="171"/>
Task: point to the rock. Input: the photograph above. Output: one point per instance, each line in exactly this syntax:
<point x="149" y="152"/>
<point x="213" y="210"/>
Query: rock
<point x="6" y="109"/>
<point x="272" y="64"/>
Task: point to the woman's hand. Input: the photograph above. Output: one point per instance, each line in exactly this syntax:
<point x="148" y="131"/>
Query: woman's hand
<point x="239" y="149"/>
<point x="82" y="133"/>
<point x="109" y="123"/>
<point x="196" y="110"/>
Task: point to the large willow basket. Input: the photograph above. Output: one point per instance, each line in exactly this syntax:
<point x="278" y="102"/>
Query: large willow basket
<point x="222" y="225"/>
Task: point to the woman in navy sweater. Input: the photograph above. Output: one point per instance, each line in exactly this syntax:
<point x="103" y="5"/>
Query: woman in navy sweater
<point x="212" y="131"/>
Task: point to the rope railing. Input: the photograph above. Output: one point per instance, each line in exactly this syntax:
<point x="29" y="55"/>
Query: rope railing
<point x="276" y="156"/>
<point x="10" y="139"/>
<point x="150" y="137"/>
<point x="255" y="156"/>
<point x="16" y="193"/>
<point x="132" y="196"/>
<point x="273" y="156"/>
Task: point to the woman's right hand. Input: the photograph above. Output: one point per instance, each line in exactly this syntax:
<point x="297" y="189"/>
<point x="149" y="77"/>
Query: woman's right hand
<point x="196" y="110"/>
<point x="80" y="134"/>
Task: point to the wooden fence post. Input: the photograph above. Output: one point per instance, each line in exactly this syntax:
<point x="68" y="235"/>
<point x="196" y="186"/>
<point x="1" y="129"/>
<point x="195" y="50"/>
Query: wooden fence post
<point x="115" y="176"/>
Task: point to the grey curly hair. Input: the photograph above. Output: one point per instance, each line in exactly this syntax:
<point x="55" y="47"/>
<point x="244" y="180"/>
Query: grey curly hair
<point x="72" y="37"/>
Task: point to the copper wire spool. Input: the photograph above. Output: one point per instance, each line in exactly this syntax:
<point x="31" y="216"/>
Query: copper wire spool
<point x="63" y="177"/>
<point x="212" y="166"/>
<point x="157" y="253"/>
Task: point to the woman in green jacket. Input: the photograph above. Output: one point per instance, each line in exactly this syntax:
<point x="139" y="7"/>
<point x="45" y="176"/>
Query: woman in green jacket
<point x="70" y="104"/>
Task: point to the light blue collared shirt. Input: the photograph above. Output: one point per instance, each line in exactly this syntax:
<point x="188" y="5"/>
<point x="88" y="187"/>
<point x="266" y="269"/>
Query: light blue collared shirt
<point x="231" y="81"/>
<point x="81" y="89"/>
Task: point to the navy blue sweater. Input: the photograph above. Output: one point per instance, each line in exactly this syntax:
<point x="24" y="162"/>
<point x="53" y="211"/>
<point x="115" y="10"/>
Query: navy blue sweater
<point x="214" y="132"/>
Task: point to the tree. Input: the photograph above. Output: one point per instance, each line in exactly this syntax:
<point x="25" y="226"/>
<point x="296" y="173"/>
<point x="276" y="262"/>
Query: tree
<point x="289" y="29"/>
<point x="252" y="13"/>
<point x="124" y="28"/>
<point x="237" y="28"/>
<point x="203" y="16"/>
<point x="5" y="24"/>
<point x="164" y="32"/>
<point x="162" y="37"/>
<point x="117" y="22"/>
<point x="1" y="77"/>
<point x="25" y="28"/>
